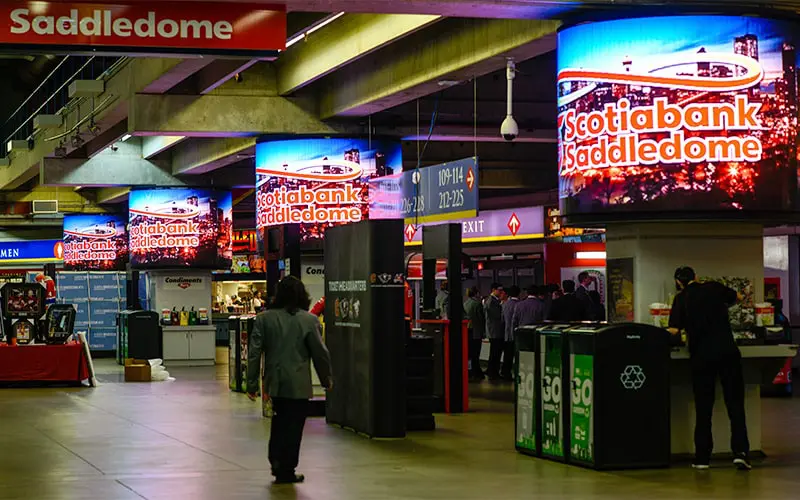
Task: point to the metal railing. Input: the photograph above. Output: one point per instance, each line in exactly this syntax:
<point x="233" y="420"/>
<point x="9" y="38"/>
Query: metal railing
<point x="52" y="95"/>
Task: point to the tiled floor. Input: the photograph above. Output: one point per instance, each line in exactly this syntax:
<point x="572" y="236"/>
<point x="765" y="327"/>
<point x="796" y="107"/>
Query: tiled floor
<point x="192" y="439"/>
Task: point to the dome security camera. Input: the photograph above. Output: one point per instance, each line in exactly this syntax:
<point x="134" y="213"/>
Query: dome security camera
<point x="509" y="129"/>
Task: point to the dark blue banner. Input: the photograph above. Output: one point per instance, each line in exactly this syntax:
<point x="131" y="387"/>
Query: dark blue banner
<point x="441" y="193"/>
<point x="36" y="251"/>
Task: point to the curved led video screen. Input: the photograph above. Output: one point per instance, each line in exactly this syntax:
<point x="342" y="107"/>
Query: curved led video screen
<point x="180" y="228"/>
<point x="95" y="242"/>
<point x="674" y="117"/>
<point x="320" y="183"/>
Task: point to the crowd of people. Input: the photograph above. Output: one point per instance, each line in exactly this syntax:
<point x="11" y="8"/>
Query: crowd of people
<point x="499" y="314"/>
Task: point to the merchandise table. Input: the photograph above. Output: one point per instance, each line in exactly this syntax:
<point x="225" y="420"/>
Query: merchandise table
<point x="43" y="363"/>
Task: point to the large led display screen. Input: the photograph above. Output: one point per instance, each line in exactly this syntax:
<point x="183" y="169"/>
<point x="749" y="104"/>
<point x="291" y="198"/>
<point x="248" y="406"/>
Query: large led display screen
<point x="96" y="242"/>
<point x="676" y="116"/>
<point x="320" y="183"/>
<point x="181" y="227"/>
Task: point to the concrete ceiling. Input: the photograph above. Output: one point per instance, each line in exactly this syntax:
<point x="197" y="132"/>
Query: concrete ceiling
<point x="374" y="70"/>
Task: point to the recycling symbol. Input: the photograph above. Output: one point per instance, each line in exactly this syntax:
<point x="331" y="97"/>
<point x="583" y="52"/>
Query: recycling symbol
<point x="632" y="377"/>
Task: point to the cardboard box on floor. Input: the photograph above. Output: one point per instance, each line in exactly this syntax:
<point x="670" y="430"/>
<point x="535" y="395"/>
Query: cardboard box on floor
<point x="137" y="370"/>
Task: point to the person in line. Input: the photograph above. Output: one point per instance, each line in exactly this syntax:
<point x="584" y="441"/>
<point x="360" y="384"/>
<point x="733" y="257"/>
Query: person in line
<point x="585" y="280"/>
<point x="476" y="318"/>
<point x="701" y="310"/>
<point x="443" y="299"/>
<point x="598" y="310"/>
<point x="531" y="310"/>
<point x="568" y="307"/>
<point x="289" y="337"/>
<point x="509" y="306"/>
<point x="495" y="329"/>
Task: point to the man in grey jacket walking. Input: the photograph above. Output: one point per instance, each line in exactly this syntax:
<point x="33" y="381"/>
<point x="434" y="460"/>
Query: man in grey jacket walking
<point x="288" y="336"/>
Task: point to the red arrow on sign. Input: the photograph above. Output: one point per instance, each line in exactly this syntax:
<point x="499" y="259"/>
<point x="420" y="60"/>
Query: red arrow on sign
<point x="470" y="179"/>
<point x="514" y="224"/>
<point x="410" y="232"/>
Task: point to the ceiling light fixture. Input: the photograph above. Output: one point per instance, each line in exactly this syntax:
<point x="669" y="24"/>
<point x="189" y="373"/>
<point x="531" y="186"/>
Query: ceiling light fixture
<point x="303" y="34"/>
<point x="125" y="137"/>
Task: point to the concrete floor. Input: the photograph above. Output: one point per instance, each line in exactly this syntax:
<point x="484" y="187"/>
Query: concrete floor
<point x="193" y="439"/>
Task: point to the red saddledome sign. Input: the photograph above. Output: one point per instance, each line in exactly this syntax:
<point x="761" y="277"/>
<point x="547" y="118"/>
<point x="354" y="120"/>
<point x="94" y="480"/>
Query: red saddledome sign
<point x="209" y="27"/>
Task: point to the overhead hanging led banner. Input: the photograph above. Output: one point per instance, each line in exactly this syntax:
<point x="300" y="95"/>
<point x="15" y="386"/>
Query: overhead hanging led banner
<point x="677" y="114"/>
<point x="320" y="183"/>
<point x="95" y="242"/>
<point x="180" y="228"/>
<point x="199" y="27"/>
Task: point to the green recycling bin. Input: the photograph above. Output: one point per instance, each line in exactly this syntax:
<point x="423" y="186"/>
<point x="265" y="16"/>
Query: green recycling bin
<point x="526" y="391"/>
<point x="618" y="390"/>
<point x="552" y="417"/>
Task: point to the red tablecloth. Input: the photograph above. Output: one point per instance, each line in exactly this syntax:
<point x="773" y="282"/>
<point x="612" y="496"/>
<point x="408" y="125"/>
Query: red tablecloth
<point x="43" y="363"/>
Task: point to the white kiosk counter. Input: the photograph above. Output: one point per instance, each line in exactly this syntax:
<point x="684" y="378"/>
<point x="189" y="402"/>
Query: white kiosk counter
<point x="760" y="365"/>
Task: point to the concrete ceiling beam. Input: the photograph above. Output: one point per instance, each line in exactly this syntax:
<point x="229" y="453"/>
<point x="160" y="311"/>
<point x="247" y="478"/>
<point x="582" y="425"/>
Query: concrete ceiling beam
<point x="350" y="38"/>
<point x="107" y="195"/>
<point x="120" y="166"/>
<point x="457" y="51"/>
<point x="177" y="74"/>
<point x="110" y="108"/>
<point x="223" y="116"/>
<point x="516" y="9"/>
<point x="156" y="144"/>
<point x="199" y="156"/>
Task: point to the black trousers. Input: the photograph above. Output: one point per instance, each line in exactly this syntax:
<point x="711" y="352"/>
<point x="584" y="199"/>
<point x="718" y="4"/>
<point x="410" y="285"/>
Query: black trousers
<point x="475" y="346"/>
<point x="508" y="359"/>
<point x="286" y="434"/>
<point x="496" y="347"/>
<point x="705" y="372"/>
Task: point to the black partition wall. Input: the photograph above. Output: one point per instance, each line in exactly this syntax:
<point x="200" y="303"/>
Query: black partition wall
<point x="365" y="327"/>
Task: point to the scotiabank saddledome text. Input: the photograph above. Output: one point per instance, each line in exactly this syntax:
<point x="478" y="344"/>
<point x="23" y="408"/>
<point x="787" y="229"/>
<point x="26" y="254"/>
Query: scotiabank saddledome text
<point x="103" y="23"/>
<point x="90" y="250"/>
<point x="145" y="236"/>
<point x="612" y="137"/>
<point x="310" y="206"/>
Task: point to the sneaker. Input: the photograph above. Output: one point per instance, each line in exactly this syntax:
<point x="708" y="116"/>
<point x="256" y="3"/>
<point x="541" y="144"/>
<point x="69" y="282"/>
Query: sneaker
<point x="701" y="465"/>
<point x="741" y="462"/>
<point x="296" y="478"/>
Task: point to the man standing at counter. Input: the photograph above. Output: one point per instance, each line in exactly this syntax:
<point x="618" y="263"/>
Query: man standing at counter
<point x="701" y="309"/>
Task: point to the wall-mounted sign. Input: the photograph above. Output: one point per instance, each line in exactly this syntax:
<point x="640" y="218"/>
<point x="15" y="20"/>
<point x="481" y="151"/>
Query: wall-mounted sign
<point x="31" y="251"/>
<point x="672" y="114"/>
<point x="183" y="282"/>
<point x="441" y="193"/>
<point x="181" y="227"/>
<point x="95" y="242"/>
<point x="492" y="225"/>
<point x="207" y="27"/>
<point x="320" y="183"/>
